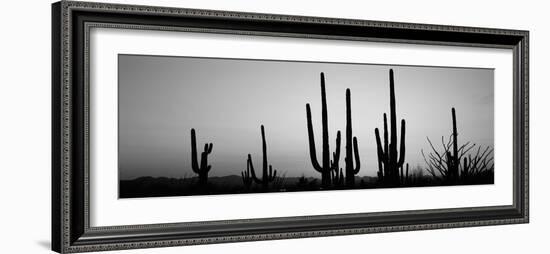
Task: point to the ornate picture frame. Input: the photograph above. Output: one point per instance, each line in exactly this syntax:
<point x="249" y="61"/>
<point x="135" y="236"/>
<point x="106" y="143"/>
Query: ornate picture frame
<point x="71" y="201"/>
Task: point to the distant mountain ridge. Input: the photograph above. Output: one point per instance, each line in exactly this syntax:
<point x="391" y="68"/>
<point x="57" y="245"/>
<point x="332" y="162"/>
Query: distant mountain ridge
<point x="236" y="180"/>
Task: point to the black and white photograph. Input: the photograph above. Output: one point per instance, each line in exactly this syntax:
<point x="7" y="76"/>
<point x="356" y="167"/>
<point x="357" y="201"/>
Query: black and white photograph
<point x="235" y="125"/>
<point x="204" y="126"/>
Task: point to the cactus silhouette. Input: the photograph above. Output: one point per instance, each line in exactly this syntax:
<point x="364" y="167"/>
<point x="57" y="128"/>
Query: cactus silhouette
<point x="267" y="175"/>
<point x="351" y="171"/>
<point x="326" y="166"/>
<point x="337" y="177"/>
<point x="453" y="160"/>
<point x="204" y="168"/>
<point x="247" y="179"/>
<point x="389" y="160"/>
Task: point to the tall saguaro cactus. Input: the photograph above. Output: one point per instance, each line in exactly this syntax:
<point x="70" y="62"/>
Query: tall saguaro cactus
<point x="389" y="160"/>
<point x="351" y="171"/>
<point x="204" y="168"/>
<point x="326" y="166"/>
<point x="267" y="175"/>
<point x="453" y="160"/>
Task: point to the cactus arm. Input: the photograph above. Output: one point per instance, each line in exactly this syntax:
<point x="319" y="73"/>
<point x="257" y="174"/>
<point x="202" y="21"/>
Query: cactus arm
<point x="204" y="159"/>
<point x="386" y="139"/>
<point x="380" y="154"/>
<point x="356" y="153"/>
<point x="264" y="155"/>
<point x="252" y="171"/>
<point x="244" y="177"/>
<point x="247" y="180"/>
<point x="407" y="174"/>
<point x="402" y="145"/>
<point x="334" y="165"/>
<point x="209" y="150"/>
<point x="312" y="151"/>
<point x="206" y="155"/>
<point x="194" y="162"/>
<point x="380" y="149"/>
<point x="272" y="174"/>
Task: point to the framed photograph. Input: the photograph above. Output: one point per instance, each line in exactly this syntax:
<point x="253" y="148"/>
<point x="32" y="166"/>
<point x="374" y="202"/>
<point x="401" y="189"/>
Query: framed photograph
<point x="181" y="126"/>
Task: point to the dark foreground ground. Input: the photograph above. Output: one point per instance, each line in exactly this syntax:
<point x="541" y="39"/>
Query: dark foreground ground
<point x="164" y="187"/>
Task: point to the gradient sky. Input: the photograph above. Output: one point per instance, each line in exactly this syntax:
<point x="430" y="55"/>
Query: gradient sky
<point x="226" y="100"/>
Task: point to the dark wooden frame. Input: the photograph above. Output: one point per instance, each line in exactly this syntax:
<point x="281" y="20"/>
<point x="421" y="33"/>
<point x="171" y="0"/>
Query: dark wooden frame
<point x="71" y="22"/>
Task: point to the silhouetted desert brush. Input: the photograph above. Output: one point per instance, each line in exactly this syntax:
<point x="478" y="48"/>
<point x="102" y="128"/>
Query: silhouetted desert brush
<point x="455" y="164"/>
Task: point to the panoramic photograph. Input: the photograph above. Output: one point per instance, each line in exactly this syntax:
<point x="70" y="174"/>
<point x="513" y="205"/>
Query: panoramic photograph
<point x="207" y="126"/>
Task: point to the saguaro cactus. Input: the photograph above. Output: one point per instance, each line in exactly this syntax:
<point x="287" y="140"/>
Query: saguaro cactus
<point x="337" y="175"/>
<point x="204" y="168"/>
<point x="326" y="166"/>
<point x="351" y="171"/>
<point x="267" y="175"/>
<point x="389" y="160"/>
<point x="245" y="175"/>
<point x="453" y="159"/>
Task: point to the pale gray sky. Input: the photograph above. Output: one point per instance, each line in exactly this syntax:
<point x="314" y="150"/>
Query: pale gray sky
<point x="226" y="100"/>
